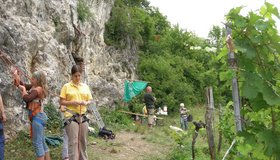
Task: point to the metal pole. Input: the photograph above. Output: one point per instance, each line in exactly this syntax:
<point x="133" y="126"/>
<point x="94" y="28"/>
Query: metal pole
<point x="235" y="92"/>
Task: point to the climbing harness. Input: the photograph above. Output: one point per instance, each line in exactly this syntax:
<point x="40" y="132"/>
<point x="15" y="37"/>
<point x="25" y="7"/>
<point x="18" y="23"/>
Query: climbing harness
<point x="34" y="107"/>
<point x="75" y="117"/>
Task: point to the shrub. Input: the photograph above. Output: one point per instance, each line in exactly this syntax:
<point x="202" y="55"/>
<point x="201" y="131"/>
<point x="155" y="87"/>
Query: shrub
<point x="83" y="11"/>
<point x="54" y="123"/>
<point x="115" y="119"/>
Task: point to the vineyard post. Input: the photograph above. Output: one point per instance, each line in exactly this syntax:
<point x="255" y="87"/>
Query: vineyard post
<point x="235" y="92"/>
<point x="209" y="119"/>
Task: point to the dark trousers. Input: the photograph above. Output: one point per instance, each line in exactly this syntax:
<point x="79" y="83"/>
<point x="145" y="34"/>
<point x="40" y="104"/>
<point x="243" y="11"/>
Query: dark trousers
<point x="2" y="141"/>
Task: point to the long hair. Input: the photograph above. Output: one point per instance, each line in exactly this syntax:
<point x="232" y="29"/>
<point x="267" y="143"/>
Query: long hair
<point x="41" y="81"/>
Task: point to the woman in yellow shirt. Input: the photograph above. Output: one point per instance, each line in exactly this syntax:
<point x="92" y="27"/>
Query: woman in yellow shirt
<point x="76" y="96"/>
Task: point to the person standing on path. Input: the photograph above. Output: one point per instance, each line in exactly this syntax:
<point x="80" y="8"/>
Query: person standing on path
<point x="76" y="96"/>
<point x="80" y="62"/>
<point x="149" y="100"/>
<point x="183" y="116"/>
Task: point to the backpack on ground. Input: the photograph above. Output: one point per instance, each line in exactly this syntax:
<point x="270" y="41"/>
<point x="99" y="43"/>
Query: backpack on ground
<point x="106" y="134"/>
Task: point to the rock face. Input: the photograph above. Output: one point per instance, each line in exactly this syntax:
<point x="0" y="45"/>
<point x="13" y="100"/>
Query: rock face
<point x="46" y="35"/>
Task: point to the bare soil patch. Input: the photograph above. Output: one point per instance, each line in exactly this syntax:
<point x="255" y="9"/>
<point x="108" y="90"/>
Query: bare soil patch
<point x="128" y="146"/>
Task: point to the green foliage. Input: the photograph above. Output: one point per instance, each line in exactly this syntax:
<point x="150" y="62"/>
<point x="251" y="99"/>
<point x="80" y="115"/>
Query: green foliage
<point x="227" y="122"/>
<point x="256" y="40"/>
<point x="132" y="22"/>
<point x="179" y="137"/>
<point x="179" y="67"/>
<point x="21" y="147"/>
<point x="13" y="150"/>
<point x="83" y="11"/>
<point x="136" y="104"/>
<point x="183" y="149"/>
<point x="260" y="129"/>
<point x="178" y="72"/>
<point x="116" y="119"/>
<point x="162" y="139"/>
<point x="54" y="123"/>
<point x="216" y="36"/>
<point x="179" y="153"/>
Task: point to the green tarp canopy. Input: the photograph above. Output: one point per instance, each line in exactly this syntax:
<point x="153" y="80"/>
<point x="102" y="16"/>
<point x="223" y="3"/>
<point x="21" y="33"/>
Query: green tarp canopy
<point x="132" y="89"/>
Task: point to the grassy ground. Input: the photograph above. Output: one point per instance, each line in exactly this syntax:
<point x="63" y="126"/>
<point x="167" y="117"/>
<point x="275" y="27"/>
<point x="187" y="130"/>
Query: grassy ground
<point x="133" y="141"/>
<point x="21" y="148"/>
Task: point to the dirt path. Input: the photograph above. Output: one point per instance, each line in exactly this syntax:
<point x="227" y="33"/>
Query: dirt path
<point x="128" y="146"/>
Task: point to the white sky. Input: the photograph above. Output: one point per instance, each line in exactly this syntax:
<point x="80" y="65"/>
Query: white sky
<point x="200" y="15"/>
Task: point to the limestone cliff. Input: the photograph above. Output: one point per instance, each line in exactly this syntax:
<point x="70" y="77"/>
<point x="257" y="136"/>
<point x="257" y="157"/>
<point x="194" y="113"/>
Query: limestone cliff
<point x="45" y="35"/>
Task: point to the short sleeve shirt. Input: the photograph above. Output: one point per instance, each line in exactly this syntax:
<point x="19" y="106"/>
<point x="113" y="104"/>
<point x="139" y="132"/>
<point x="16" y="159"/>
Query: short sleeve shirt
<point x="73" y="92"/>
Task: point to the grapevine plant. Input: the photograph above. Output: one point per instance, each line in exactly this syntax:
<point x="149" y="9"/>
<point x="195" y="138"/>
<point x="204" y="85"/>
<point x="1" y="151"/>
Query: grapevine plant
<point x="257" y="49"/>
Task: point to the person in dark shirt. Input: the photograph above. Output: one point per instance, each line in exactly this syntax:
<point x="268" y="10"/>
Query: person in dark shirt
<point x="149" y="102"/>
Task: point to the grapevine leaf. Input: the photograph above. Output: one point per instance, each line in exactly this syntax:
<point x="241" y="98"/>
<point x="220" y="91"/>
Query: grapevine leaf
<point x="256" y="40"/>
<point x="261" y="25"/>
<point x="222" y="54"/>
<point x="271" y="139"/>
<point x="246" y="49"/>
<point x="269" y="95"/>
<point x="239" y="46"/>
<point x="258" y="103"/>
<point x="266" y="75"/>
<point x="253" y="18"/>
<point x="244" y="149"/>
<point x="272" y="9"/>
<point x="235" y="11"/>
<point x="246" y="63"/>
<point x="240" y="21"/>
<point x="263" y="10"/>
<point x="227" y="75"/>
<point x="249" y="90"/>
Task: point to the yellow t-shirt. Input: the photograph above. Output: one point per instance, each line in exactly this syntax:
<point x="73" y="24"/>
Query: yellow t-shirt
<point x="72" y="92"/>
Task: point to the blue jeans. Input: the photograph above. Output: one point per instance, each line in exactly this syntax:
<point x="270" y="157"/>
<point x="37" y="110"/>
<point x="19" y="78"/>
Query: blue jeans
<point x="38" y="136"/>
<point x="2" y="141"/>
<point x="184" y="122"/>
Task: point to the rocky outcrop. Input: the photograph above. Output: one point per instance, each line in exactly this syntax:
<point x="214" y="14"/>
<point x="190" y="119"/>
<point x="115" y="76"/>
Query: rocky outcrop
<point x="45" y="35"/>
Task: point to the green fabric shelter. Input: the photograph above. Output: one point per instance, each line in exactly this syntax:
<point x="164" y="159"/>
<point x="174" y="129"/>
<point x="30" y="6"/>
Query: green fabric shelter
<point x="132" y="89"/>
